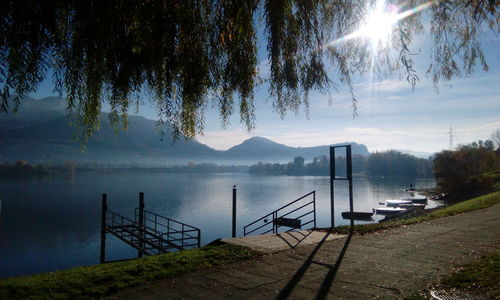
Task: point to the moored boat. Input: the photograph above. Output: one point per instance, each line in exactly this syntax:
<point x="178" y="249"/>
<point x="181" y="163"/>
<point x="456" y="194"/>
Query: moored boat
<point x="415" y="200"/>
<point x="388" y="210"/>
<point x="410" y="205"/>
<point x="396" y="202"/>
<point x="357" y="215"/>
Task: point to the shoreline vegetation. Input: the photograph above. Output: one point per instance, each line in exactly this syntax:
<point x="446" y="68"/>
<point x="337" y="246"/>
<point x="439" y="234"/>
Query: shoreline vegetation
<point x="389" y="163"/>
<point x="101" y="280"/>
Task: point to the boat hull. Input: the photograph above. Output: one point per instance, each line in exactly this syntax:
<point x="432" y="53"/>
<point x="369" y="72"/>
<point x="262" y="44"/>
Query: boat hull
<point x="357" y="215"/>
<point x="388" y="210"/>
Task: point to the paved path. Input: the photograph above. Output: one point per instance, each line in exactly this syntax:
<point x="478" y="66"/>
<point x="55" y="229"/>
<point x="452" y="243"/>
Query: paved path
<point x="384" y="265"/>
<point x="272" y="243"/>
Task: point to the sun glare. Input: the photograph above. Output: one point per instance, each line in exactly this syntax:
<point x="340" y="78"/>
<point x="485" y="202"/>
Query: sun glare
<point x="379" y="23"/>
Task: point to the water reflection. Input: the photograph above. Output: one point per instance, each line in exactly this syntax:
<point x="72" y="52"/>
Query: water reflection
<point x="53" y="223"/>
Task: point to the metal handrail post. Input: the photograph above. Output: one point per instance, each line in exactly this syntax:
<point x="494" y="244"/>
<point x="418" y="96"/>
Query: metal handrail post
<point x="182" y="236"/>
<point x="104" y="210"/>
<point x="275" y="227"/>
<point x="234" y="212"/>
<point x="140" y="252"/>
<point x="349" y="177"/>
<point x="314" y="208"/>
<point x="332" y="178"/>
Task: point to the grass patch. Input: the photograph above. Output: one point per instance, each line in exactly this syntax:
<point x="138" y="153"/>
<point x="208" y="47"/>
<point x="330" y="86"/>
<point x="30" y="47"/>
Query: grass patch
<point x="100" y="280"/>
<point x="461" y="207"/>
<point x="480" y="277"/>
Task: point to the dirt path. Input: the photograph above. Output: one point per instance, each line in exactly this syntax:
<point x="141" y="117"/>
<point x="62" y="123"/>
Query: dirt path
<point x="385" y="265"/>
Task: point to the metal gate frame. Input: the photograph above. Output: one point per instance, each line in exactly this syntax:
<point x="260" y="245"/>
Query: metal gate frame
<point x="333" y="177"/>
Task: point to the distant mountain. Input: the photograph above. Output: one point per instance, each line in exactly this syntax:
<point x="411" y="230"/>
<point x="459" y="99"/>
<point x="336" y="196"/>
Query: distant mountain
<point x="259" y="148"/>
<point x="418" y="154"/>
<point x="40" y="132"/>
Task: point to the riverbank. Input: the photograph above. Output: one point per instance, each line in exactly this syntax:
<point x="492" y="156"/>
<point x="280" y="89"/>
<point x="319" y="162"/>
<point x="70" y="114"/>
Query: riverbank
<point x="388" y="264"/>
<point x="99" y="280"/>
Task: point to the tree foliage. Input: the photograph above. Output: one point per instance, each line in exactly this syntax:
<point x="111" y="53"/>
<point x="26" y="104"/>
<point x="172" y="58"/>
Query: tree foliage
<point x="394" y="163"/>
<point x="388" y="163"/>
<point x="468" y="170"/>
<point x="495" y="138"/>
<point x="184" y="52"/>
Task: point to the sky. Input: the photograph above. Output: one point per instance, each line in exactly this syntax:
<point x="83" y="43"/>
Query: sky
<point x="390" y="114"/>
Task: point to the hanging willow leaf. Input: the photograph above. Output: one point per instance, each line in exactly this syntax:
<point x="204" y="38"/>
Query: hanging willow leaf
<point x="183" y="53"/>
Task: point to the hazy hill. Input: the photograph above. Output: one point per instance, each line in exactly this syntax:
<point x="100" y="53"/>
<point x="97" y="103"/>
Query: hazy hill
<point x="418" y="154"/>
<point x="40" y="132"/>
<point x="259" y="148"/>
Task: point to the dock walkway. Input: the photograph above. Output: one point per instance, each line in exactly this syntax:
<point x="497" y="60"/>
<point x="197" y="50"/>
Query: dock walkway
<point x="390" y="264"/>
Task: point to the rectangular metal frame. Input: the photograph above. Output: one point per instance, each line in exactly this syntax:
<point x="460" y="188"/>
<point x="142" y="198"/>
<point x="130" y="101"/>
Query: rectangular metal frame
<point x="333" y="177"/>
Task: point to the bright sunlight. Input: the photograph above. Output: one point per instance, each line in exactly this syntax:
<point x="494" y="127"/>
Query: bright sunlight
<point x="379" y="23"/>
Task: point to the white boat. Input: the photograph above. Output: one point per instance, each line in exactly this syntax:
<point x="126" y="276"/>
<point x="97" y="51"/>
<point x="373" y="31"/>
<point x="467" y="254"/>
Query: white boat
<point x="397" y="202"/>
<point x="388" y="210"/>
<point x="410" y="205"/>
<point x="415" y="200"/>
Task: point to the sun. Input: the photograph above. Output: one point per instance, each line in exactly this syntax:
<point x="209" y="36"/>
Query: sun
<point x="379" y="23"/>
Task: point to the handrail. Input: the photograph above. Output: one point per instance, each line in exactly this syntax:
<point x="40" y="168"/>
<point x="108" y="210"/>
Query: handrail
<point x="313" y="192"/>
<point x="147" y="232"/>
<point x="274" y="215"/>
<point x="151" y="217"/>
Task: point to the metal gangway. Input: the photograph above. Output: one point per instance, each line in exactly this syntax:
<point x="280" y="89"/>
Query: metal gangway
<point x="297" y="214"/>
<point x="148" y="232"/>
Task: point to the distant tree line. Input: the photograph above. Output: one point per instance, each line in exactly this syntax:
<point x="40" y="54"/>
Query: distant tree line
<point x="470" y="170"/>
<point x="23" y="168"/>
<point x="206" y="168"/>
<point x="387" y="163"/>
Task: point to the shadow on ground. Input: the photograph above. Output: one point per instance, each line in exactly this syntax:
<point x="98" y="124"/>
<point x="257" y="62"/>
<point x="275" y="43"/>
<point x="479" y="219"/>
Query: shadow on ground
<point x="329" y="278"/>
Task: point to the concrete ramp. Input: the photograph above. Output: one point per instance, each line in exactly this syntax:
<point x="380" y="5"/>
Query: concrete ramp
<point x="271" y="243"/>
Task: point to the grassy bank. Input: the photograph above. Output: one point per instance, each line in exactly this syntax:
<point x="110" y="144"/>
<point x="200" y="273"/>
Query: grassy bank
<point x="480" y="277"/>
<point x="462" y="207"/>
<point x="100" y="280"/>
<point x="477" y="279"/>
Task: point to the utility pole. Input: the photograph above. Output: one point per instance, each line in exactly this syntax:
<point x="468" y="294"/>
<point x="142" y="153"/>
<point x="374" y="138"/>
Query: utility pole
<point x="451" y="136"/>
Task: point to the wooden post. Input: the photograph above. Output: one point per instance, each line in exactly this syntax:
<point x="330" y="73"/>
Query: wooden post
<point x="234" y="212"/>
<point x="140" y="252"/>
<point x="104" y="209"/>
<point x="332" y="178"/>
<point x="349" y="177"/>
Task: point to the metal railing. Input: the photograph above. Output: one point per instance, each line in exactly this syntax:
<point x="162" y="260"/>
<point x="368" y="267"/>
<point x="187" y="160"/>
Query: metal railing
<point x="174" y="233"/>
<point x="297" y="214"/>
<point x="149" y="233"/>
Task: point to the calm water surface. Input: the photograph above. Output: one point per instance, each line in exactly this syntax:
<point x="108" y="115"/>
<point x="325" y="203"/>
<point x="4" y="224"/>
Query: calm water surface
<point x="53" y="223"/>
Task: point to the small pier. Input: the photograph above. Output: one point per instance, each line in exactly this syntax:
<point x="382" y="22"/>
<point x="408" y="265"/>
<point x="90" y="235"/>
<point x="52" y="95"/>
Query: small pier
<point x="148" y="232"/>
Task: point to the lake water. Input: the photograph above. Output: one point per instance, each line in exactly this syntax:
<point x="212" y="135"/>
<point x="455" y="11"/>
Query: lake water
<point x="53" y="223"/>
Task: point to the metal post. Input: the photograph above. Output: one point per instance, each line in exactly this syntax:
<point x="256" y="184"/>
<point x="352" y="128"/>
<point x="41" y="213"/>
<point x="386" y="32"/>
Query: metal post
<point x="140" y="252"/>
<point x="332" y="178"/>
<point x="104" y="209"/>
<point x="314" y="207"/>
<point x="349" y="177"/>
<point x="234" y="212"/>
